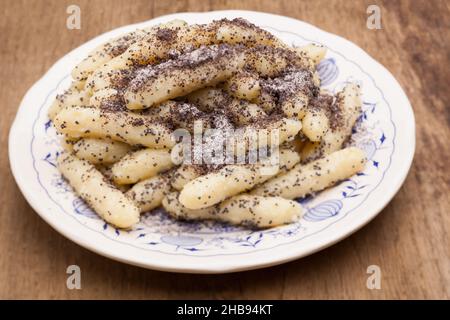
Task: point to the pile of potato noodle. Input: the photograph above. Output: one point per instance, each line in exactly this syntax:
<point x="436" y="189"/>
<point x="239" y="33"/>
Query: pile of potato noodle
<point x="130" y="96"/>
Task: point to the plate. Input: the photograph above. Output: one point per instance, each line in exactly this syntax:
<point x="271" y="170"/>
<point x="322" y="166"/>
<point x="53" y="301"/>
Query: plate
<point x="385" y="131"/>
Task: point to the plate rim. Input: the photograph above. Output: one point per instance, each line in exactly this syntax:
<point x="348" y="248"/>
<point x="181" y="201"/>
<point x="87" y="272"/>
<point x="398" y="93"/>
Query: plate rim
<point x="211" y="267"/>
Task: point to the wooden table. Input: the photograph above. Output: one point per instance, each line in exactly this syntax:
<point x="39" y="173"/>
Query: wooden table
<point x="409" y="240"/>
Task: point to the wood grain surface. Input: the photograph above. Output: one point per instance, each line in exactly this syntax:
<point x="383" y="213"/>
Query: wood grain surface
<point x="409" y="240"/>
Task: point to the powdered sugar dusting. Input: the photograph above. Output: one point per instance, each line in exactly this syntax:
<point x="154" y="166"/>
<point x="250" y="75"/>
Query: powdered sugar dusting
<point x="284" y="87"/>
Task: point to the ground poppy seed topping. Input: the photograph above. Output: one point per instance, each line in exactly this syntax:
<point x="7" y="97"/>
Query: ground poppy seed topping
<point x="219" y="121"/>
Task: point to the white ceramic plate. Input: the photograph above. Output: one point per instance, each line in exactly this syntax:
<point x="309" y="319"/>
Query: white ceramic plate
<point x="386" y="132"/>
